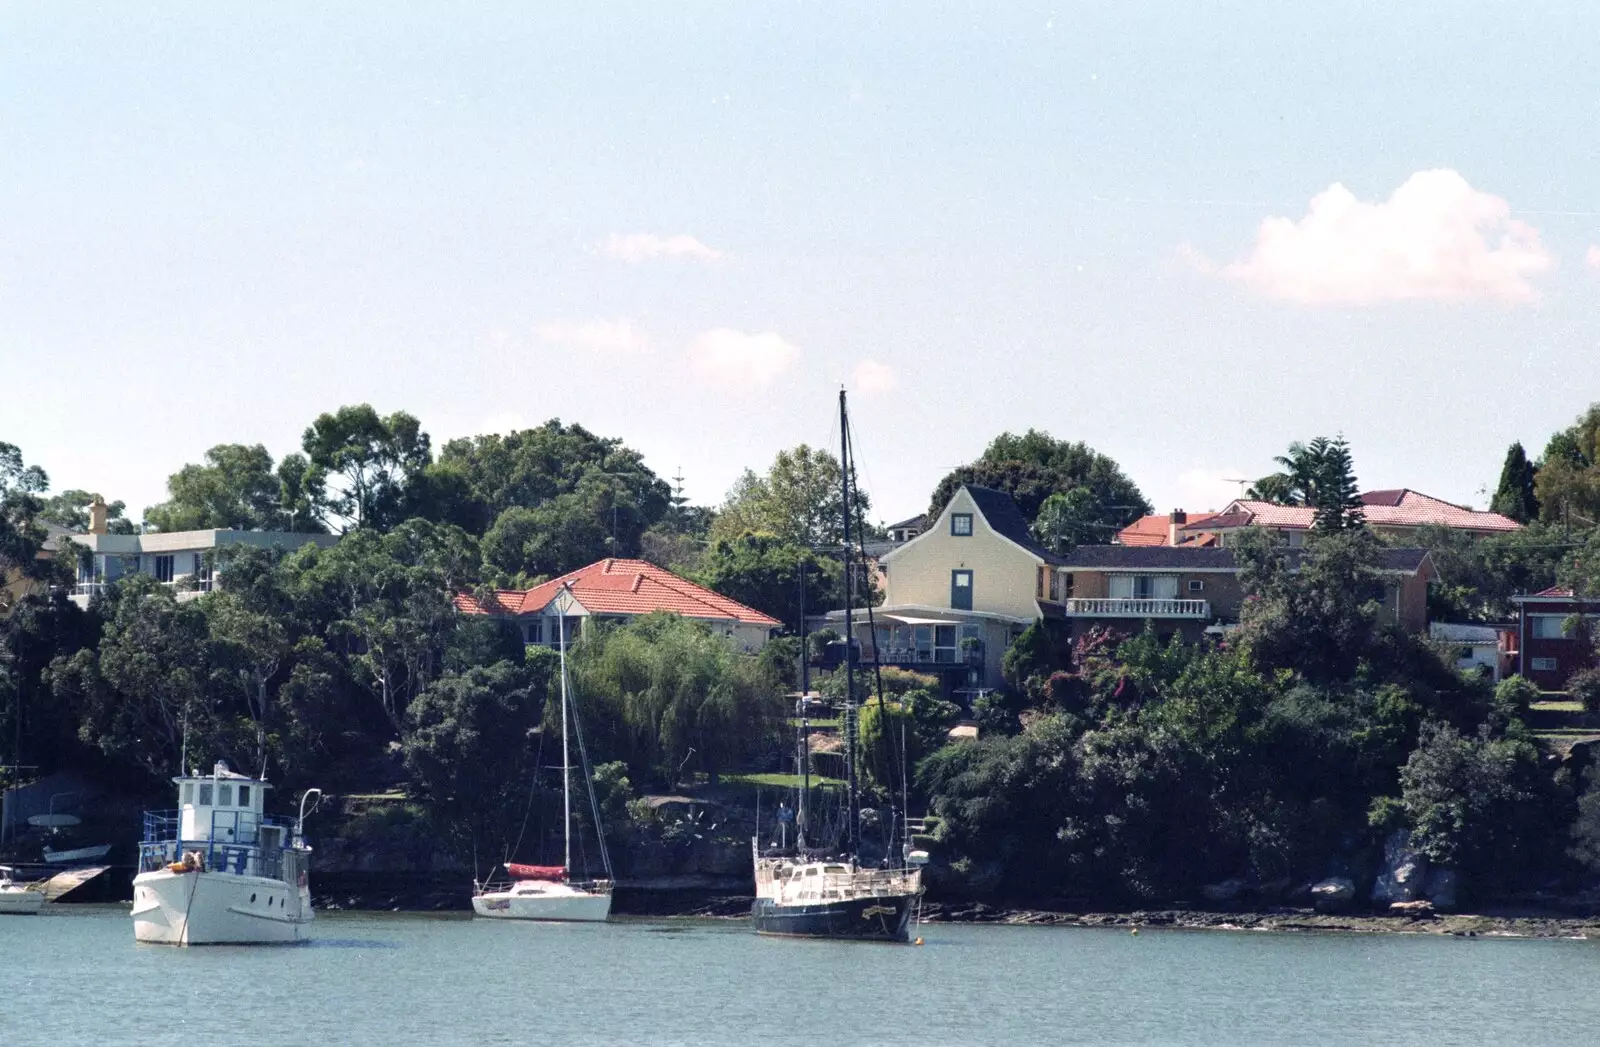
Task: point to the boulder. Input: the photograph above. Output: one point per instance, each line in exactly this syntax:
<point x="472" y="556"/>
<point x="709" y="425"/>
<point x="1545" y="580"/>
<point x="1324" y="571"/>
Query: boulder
<point x="1333" y="894"/>
<point x="1421" y="909"/>
<point x="1440" y="888"/>
<point x="1226" y="891"/>
<point x="1404" y="870"/>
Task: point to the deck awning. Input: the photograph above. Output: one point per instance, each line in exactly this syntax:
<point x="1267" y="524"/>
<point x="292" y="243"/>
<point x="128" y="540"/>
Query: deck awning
<point x="906" y="619"/>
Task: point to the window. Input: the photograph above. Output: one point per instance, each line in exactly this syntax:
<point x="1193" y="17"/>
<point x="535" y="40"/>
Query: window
<point x="244" y="796"/>
<point x="205" y="794"/>
<point x="224" y="796"/>
<point x="163" y="568"/>
<point x="533" y="630"/>
<point x="1144" y="587"/>
<point x="961" y="590"/>
<point x="1548" y="627"/>
<point x="1055" y="586"/>
<point x="1544" y="665"/>
<point x="1038" y="589"/>
<point x="1297" y="539"/>
<point x="202" y="571"/>
<point x="944" y="643"/>
<point x="1196" y="585"/>
<point x="961" y="525"/>
<point x="188" y="793"/>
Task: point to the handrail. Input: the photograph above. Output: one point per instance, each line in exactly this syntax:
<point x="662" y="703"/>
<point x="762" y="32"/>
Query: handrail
<point x="1136" y="607"/>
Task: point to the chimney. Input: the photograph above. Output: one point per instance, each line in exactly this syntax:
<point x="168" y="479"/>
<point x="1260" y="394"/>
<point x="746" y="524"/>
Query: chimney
<point x="1174" y="522"/>
<point x="97" y="516"/>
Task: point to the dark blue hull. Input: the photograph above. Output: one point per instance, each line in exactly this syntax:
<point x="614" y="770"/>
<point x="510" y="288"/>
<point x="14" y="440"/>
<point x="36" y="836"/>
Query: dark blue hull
<point x="885" y="919"/>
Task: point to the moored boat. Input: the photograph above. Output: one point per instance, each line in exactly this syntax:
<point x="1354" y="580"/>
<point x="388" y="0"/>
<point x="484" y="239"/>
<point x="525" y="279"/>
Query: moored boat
<point x="17" y="899"/>
<point x="217" y="871"/>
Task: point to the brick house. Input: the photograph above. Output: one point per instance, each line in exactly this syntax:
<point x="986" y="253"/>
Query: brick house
<point x="1547" y="654"/>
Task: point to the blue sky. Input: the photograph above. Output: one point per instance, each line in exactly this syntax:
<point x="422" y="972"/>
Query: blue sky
<point x="687" y="224"/>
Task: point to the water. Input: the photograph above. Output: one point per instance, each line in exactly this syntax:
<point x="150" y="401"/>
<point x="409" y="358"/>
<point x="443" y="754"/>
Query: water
<point x="75" y="976"/>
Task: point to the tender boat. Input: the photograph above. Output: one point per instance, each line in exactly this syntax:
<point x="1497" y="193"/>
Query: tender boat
<point x="217" y="871"/>
<point x="17" y="899"/>
<point x="815" y="893"/>
<point x="550" y="892"/>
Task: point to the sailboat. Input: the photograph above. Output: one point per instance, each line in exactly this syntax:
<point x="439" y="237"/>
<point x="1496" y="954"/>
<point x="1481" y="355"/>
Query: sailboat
<point x="550" y="892"/>
<point x="811" y="893"/>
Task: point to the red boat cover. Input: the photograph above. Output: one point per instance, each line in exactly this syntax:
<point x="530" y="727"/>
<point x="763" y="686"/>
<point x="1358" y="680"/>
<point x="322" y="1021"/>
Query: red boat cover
<point x="536" y="872"/>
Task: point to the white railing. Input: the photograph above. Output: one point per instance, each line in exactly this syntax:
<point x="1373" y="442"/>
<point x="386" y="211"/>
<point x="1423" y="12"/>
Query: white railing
<point x="1120" y="607"/>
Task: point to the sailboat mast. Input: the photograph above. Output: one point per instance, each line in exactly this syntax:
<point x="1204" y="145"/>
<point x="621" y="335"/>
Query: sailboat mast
<point x="566" y="762"/>
<point x="803" y="753"/>
<point x="854" y="835"/>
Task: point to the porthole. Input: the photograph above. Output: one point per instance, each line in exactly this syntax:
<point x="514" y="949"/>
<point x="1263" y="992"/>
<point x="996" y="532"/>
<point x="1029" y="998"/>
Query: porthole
<point x="252" y="899"/>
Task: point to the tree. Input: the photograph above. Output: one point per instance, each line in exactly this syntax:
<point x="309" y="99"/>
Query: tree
<point x="1034" y="466"/>
<point x="236" y="488"/>
<point x="1318" y="474"/>
<point x="798" y="500"/>
<point x="1514" y="495"/>
<point x="21" y="536"/>
<point x="70" y="509"/>
<point x="763" y="571"/>
<point x="1069" y="520"/>
<point x="1567" y="484"/>
<point x="375" y="459"/>
<point x="528" y="545"/>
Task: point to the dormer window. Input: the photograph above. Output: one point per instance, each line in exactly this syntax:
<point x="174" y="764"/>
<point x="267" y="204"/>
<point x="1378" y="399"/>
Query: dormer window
<point x="961" y="525"/>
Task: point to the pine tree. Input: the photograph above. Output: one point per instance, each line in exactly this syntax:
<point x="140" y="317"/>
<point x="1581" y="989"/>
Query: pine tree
<point x="1514" y="496"/>
<point x="1334" y="494"/>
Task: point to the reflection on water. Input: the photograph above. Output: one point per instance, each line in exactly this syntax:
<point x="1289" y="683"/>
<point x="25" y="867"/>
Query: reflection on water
<point x="75" y="976"/>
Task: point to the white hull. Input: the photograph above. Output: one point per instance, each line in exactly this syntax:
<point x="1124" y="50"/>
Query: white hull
<point x="79" y="854"/>
<point x="557" y="902"/>
<point x="15" y="901"/>
<point x="211" y="908"/>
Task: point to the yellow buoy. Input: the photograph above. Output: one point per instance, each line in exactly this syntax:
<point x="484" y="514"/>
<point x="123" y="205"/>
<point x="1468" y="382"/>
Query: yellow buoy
<point x="917" y="942"/>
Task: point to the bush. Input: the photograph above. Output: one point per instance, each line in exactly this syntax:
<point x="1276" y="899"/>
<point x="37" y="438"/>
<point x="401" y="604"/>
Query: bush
<point x="1514" y="694"/>
<point x="1585" y="687"/>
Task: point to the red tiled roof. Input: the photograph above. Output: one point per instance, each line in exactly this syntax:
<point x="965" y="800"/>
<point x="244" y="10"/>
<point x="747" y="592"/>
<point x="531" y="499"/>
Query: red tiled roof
<point x="1152" y="530"/>
<point x="626" y="587"/>
<point x="1401" y="507"/>
<point x="1555" y="590"/>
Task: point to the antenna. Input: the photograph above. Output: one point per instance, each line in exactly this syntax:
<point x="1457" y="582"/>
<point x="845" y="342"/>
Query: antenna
<point x="1236" y="480"/>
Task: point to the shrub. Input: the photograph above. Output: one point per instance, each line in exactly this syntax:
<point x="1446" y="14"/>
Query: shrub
<point x="1584" y="687"/>
<point x="1514" y="694"/>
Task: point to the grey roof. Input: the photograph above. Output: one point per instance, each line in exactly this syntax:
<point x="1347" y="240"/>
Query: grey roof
<point x="1187" y="558"/>
<point x="1004" y="516"/>
<point x="920" y="521"/>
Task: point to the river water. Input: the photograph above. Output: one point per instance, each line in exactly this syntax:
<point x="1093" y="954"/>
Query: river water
<point x="75" y="976"/>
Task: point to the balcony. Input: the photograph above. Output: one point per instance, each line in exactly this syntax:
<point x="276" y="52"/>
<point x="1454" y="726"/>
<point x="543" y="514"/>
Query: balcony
<point x="1119" y="607"/>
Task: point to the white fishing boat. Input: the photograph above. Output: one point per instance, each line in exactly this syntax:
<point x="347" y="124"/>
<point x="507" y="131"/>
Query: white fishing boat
<point x="551" y="892"/>
<point x="217" y="871"/>
<point x="17" y="899"/>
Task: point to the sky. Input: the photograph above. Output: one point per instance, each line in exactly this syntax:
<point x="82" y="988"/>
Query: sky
<point x="1185" y="233"/>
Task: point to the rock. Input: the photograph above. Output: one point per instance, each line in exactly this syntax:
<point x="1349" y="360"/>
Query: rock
<point x="1333" y="894"/>
<point x="1421" y="909"/>
<point x="1404" y="870"/>
<point x="1440" y="888"/>
<point x="1226" y="891"/>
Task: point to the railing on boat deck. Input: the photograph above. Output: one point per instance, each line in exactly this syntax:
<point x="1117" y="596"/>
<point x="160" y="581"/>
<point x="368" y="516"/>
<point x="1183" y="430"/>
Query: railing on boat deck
<point x="242" y="855"/>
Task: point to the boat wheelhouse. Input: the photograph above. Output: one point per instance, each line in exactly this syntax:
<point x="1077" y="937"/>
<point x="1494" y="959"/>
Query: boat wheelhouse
<point x="218" y="870"/>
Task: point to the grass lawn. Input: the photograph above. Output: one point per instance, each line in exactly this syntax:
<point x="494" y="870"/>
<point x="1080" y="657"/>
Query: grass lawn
<point x="779" y="781"/>
<point x="834" y="723"/>
<point x="1557" y="705"/>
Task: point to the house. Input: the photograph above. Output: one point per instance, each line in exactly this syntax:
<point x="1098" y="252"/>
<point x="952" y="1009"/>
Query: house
<point x="185" y="560"/>
<point x="1168" y="529"/>
<point x="1394" y="513"/>
<point x="1188" y="592"/>
<point x="1548" y="653"/>
<point x="1476" y="646"/>
<point x="14" y="585"/>
<point x="958" y="593"/>
<point x="616" y="590"/>
<point x="905" y="530"/>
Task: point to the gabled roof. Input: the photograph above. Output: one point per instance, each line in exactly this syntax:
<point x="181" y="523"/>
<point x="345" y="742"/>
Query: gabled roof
<point x="919" y="521"/>
<point x="1154" y="530"/>
<point x="625" y="587"/>
<point x="1007" y="520"/>
<point x="1189" y="559"/>
<point x="1399" y="507"/>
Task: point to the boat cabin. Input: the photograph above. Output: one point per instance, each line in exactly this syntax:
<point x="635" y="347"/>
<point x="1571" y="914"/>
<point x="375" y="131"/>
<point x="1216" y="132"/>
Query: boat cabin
<point x="222" y="807"/>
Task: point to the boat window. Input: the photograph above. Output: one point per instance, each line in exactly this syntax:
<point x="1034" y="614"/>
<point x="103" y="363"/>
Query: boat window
<point x="244" y="796"/>
<point x="812" y="871"/>
<point x="188" y="793"/>
<point x="205" y="794"/>
<point x="224" y="796"/>
<point x="836" y="869"/>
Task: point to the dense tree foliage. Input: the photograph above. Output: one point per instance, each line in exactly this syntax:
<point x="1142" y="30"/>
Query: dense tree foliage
<point x="1319" y="474"/>
<point x="1567" y="484"/>
<point x="798" y="500"/>
<point x="1514" y="495"/>
<point x="239" y="487"/>
<point x="1099" y="499"/>
<point x="763" y="571"/>
<point x="70" y="509"/>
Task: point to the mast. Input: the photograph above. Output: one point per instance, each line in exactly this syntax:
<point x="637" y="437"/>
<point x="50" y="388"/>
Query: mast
<point x="566" y="766"/>
<point x="854" y="829"/>
<point x="804" y="753"/>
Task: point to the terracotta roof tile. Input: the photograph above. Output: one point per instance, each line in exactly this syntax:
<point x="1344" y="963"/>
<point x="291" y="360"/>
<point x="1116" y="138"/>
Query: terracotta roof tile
<point x="1401" y="507"/>
<point x="1152" y="529"/>
<point x="625" y="587"/>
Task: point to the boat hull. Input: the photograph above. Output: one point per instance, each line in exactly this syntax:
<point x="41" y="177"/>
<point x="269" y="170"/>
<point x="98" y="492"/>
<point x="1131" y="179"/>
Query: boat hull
<point x="569" y="907"/>
<point x="212" y="908"/>
<point x="886" y="918"/>
<point x="20" y="902"/>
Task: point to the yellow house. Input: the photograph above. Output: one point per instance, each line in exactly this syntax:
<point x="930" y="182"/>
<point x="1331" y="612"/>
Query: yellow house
<point x="957" y="594"/>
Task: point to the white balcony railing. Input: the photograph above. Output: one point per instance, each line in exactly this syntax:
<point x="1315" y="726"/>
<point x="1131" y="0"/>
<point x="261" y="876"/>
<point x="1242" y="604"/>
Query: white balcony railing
<point x="1119" y="607"/>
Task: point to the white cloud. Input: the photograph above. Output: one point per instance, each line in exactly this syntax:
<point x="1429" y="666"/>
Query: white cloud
<point x="1592" y="256"/>
<point x="611" y="337"/>
<point x="733" y="359"/>
<point x="635" y="248"/>
<point x="873" y="377"/>
<point x="1436" y="237"/>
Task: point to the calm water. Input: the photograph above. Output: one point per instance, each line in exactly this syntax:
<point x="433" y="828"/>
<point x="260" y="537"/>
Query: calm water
<point x="76" y="977"/>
